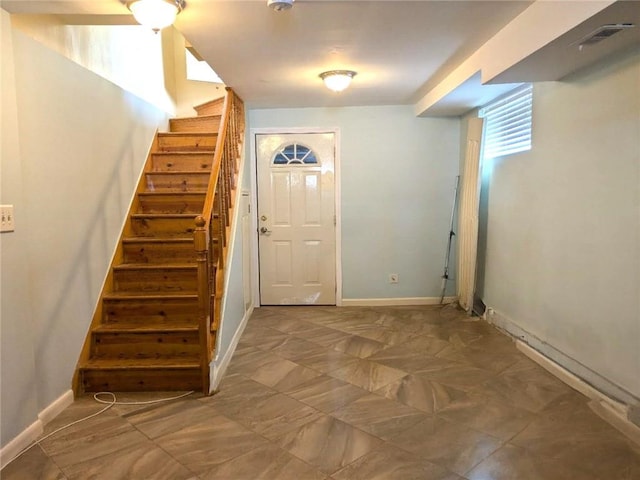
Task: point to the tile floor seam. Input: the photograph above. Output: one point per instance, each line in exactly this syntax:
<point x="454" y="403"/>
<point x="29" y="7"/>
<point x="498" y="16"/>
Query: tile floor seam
<point x="169" y="454"/>
<point x="50" y="458"/>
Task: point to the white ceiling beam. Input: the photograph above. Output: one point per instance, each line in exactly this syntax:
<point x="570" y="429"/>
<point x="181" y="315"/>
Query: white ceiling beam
<point x="541" y="23"/>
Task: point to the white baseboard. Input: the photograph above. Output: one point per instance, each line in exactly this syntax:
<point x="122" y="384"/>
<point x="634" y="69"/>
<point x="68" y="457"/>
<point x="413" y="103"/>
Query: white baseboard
<point x="33" y="431"/>
<point x="22" y="441"/>
<point x="611" y="402"/>
<point x="218" y="367"/>
<point x="583" y="373"/>
<point x="617" y="419"/>
<point x="53" y="410"/>
<point x="388" y="302"/>
<point x="567" y="377"/>
<point x="610" y="410"/>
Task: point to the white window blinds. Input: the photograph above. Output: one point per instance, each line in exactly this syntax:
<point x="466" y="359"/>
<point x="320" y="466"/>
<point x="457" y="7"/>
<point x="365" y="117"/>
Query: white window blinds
<point x="508" y="124"/>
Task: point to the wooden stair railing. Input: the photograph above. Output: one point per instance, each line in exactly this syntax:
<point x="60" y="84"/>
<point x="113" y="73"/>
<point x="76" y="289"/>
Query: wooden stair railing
<point x="213" y="226"/>
<point x="155" y="323"/>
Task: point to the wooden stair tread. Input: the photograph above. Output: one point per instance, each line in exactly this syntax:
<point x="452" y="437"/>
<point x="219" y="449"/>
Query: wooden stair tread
<point x="156" y="266"/>
<point x="140" y="363"/>
<point x="188" y="134"/>
<point x="181" y="172"/>
<point x="151" y="296"/>
<point x="208" y="116"/>
<point x="136" y="327"/>
<point x="157" y="240"/>
<point x="173" y="240"/>
<point x="170" y="194"/>
<point x="169" y="215"/>
<point x="164" y="215"/>
<point x="186" y="152"/>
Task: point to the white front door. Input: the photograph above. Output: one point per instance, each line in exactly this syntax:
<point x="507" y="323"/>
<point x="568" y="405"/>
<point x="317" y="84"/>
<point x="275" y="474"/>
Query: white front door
<point x="296" y="218"/>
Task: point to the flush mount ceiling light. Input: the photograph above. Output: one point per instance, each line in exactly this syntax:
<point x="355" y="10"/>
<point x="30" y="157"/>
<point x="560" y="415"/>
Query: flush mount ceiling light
<point x="156" y="14"/>
<point x="337" y="80"/>
<point x="280" y="5"/>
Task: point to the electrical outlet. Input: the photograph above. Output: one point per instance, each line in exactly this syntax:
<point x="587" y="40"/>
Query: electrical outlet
<point x="393" y="278"/>
<point x="6" y="218"/>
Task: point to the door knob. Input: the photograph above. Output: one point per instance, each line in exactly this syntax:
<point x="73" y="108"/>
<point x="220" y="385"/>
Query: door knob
<point x="265" y="231"/>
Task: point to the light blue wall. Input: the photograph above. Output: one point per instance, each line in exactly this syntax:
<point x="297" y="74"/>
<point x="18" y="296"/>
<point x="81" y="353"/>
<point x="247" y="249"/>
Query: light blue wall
<point x="397" y="179"/>
<point x="563" y="226"/>
<point x="18" y="405"/>
<point x="74" y="158"/>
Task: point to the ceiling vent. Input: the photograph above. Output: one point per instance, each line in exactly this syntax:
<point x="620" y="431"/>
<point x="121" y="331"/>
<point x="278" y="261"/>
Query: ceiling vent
<point x="602" y="33"/>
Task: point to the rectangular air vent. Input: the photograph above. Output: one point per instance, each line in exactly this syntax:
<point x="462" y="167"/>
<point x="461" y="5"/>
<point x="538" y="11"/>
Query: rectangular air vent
<point x="602" y="33"/>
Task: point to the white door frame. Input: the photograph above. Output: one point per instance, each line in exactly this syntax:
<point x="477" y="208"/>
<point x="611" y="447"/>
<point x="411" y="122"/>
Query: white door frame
<point x="255" y="280"/>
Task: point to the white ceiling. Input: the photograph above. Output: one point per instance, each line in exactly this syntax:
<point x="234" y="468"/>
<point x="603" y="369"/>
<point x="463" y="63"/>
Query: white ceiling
<point x="272" y="59"/>
<point x="422" y="53"/>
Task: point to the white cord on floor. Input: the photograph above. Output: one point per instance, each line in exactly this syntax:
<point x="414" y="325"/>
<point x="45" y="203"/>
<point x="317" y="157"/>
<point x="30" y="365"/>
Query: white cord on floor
<point x="109" y="404"/>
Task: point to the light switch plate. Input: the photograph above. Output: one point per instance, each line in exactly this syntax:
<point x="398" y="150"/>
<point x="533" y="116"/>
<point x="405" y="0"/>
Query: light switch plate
<point x="7" y="223"/>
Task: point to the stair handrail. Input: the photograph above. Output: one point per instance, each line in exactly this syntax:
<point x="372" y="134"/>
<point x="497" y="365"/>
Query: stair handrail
<point x="211" y="230"/>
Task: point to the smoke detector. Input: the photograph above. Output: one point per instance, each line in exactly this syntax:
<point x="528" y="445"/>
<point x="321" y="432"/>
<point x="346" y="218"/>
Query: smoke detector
<point x="280" y="5"/>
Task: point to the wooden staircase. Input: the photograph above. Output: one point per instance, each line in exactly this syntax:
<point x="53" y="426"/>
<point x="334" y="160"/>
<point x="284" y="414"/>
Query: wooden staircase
<point x="155" y="325"/>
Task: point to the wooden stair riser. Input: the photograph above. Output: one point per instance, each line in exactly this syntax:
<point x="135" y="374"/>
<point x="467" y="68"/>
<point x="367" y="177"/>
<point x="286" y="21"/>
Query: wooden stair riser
<point x="162" y="251"/>
<point x="151" y="311"/>
<point x="162" y="226"/>
<point x="135" y="345"/>
<point x="172" y="203"/>
<point x="187" y="162"/>
<point x="140" y="380"/>
<point x="186" y="142"/>
<point x="205" y="123"/>
<point x="145" y="280"/>
<point x="177" y="181"/>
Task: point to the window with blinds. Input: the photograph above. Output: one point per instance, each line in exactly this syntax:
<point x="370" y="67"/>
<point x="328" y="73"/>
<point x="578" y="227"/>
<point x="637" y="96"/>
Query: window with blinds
<point x="507" y="124"/>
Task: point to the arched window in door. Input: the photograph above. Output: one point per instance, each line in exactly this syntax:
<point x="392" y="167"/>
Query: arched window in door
<point x="295" y="154"/>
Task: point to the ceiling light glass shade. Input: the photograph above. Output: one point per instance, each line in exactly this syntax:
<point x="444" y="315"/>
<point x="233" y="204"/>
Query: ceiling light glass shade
<point x="337" y="80"/>
<point x="156" y="14"/>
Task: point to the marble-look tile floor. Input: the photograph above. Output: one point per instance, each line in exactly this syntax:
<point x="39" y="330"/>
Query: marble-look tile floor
<point x="353" y="393"/>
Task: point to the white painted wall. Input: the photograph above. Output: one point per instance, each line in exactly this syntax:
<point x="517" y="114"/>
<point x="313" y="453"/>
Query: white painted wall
<point x="185" y="93"/>
<point x="397" y="179"/>
<point x="131" y="56"/>
<point x="563" y="226"/>
<point x="73" y="146"/>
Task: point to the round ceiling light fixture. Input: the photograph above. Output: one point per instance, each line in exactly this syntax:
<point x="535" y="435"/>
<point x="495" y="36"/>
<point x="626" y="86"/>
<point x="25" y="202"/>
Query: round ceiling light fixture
<point x="337" y="80"/>
<point x="280" y="5"/>
<point x="156" y="14"/>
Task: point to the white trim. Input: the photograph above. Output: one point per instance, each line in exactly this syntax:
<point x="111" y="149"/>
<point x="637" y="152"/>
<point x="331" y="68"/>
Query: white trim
<point x="567" y="377"/>
<point x="610" y="410"/>
<point x="337" y="190"/>
<point x="12" y="449"/>
<point x="56" y="408"/>
<point x="380" y="302"/>
<point x="218" y="369"/>
<point x="25" y="438"/>
<point x="562" y="365"/>
<point x="613" y="416"/>
<point x="254" y="193"/>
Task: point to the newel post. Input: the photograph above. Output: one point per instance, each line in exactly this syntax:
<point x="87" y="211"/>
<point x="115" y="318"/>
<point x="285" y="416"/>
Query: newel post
<point x="200" y="242"/>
